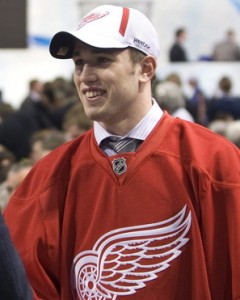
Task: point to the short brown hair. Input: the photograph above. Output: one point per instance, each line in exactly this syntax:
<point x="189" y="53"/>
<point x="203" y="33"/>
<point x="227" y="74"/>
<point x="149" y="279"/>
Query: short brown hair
<point x="136" y="56"/>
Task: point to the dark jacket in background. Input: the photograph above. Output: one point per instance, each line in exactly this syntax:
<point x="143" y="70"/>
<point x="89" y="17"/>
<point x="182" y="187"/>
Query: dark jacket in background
<point x="13" y="281"/>
<point x="177" y="53"/>
<point x="17" y="129"/>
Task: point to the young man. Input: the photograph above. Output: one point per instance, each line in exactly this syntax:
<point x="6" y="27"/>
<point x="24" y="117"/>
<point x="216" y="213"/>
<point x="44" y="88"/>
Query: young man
<point x="161" y="222"/>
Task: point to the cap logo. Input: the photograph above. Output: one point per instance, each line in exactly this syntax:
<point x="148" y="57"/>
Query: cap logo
<point x="141" y="44"/>
<point x="91" y="17"/>
<point x="63" y="51"/>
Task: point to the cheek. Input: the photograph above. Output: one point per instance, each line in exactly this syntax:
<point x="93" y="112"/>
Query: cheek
<point x="75" y="80"/>
<point x="77" y="83"/>
<point x="130" y="85"/>
<point x="126" y="79"/>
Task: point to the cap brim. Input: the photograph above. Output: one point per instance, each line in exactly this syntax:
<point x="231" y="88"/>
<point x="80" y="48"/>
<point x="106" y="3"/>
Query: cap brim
<point x="63" y="43"/>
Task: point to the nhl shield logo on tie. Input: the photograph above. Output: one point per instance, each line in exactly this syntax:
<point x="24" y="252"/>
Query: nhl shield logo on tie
<point x="119" y="165"/>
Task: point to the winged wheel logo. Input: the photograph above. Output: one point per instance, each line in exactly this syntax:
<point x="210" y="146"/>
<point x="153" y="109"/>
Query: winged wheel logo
<point x="124" y="260"/>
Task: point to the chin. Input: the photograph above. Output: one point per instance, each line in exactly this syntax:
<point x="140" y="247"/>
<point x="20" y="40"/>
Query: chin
<point x="93" y="116"/>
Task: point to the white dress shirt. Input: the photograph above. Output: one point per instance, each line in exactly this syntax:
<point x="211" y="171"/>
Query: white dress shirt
<point x="140" y="131"/>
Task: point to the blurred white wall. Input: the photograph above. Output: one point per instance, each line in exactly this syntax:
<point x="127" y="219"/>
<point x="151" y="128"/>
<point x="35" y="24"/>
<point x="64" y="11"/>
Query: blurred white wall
<point x="206" y="22"/>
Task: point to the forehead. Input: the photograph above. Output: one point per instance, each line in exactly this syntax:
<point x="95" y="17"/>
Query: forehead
<point x="81" y="48"/>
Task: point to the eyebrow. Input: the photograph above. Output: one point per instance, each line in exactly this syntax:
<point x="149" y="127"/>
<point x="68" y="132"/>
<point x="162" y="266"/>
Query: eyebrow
<point x="95" y="50"/>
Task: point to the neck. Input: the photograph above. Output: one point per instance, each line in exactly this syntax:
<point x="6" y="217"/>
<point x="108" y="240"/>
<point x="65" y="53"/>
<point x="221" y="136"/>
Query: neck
<point x="129" y="121"/>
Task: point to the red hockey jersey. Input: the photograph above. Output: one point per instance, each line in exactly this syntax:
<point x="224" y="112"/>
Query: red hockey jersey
<point x="162" y="223"/>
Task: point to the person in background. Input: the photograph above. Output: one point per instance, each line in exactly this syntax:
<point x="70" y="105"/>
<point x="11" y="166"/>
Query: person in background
<point x="7" y="158"/>
<point x="34" y="95"/>
<point x="170" y="97"/>
<point x="47" y="113"/>
<point x="15" y="175"/>
<point x="143" y="205"/>
<point x="233" y="132"/>
<point x="13" y="280"/>
<point x="224" y="89"/>
<point x="76" y="122"/>
<point x="177" y="52"/>
<point x="174" y="77"/>
<point x="44" y="141"/>
<point x="16" y="130"/>
<point x="228" y="49"/>
<point x="218" y="126"/>
<point x="224" y="104"/>
<point x="6" y="109"/>
<point x="197" y="103"/>
<point x="65" y="91"/>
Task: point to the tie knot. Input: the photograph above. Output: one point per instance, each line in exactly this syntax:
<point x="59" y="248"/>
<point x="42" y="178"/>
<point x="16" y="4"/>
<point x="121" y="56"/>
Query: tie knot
<point x="120" y="145"/>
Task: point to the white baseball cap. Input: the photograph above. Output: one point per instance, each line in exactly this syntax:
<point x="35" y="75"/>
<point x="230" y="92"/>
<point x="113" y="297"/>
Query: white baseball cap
<point x="109" y="26"/>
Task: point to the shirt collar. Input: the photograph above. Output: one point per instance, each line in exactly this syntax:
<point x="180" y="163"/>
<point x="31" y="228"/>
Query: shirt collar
<point x="140" y="131"/>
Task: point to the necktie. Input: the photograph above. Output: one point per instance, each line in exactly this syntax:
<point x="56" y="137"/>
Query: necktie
<point x="120" y="145"/>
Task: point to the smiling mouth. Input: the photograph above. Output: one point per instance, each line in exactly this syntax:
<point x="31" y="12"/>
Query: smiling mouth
<point x="93" y="94"/>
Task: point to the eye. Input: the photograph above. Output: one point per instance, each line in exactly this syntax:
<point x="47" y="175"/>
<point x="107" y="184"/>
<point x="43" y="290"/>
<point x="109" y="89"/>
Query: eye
<point x="103" y="60"/>
<point x="78" y="62"/>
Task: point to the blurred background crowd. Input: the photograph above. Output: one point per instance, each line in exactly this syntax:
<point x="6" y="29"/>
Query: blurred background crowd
<point x="50" y="112"/>
<point x="50" y="115"/>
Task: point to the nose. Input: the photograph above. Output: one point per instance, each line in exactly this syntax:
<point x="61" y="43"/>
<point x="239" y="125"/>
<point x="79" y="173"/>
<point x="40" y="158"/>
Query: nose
<point x="88" y="73"/>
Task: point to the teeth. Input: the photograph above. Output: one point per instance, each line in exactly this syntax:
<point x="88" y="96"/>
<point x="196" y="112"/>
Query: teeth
<point x="91" y="94"/>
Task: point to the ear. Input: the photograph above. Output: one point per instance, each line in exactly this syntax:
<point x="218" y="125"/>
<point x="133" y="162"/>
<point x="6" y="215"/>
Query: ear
<point x="148" y="68"/>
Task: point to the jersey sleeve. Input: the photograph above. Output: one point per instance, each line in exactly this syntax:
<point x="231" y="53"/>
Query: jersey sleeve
<point x="220" y="224"/>
<point x="34" y="223"/>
